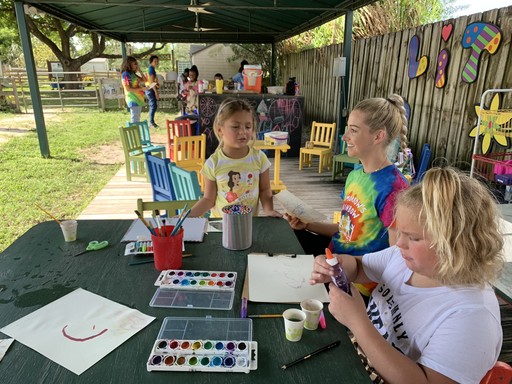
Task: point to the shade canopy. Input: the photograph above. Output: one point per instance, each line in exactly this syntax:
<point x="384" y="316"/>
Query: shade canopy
<point x="188" y="21"/>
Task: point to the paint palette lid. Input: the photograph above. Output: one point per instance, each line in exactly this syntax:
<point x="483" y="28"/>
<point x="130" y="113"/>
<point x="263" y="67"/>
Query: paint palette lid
<point x="206" y="328"/>
<point x="199" y="299"/>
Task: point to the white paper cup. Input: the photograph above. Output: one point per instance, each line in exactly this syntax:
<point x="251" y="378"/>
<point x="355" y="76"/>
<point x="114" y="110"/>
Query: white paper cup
<point x="312" y="309"/>
<point x="293" y="324"/>
<point x="69" y="229"/>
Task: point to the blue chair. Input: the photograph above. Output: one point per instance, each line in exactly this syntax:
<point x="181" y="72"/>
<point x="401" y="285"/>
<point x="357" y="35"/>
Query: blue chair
<point x="160" y="178"/>
<point x="145" y="139"/>
<point x="426" y="153"/>
<point x="185" y="183"/>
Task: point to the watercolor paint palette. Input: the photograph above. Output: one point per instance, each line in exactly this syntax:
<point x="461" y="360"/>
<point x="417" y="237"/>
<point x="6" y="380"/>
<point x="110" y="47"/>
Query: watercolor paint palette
<point x="179" y="298"/>
<point x="197" y="280"/>
<point x="204" y="344"/>
<point x="139" y="252"/>
<point x="139" y="248"/>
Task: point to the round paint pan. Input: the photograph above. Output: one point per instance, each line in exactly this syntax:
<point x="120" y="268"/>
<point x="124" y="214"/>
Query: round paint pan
<point x="197" y="345"/>
<point x="208" y="345"/>
<point x="156" y="360"/>
<point x="229" y="361"/>
<point x="169" y="360"/>
<point x="242" y="346"/>
<point x="205" y="361"/>
<point x="174" y="344"/>
<point x="216" y="361"/>
<point x="162" y="344"/>
<point x="185" y="345"/>
<point x="193" y="361"/>
<point x="181" y="360"/>
<point x="230" y="346"/>
<point x="241" y="361"/>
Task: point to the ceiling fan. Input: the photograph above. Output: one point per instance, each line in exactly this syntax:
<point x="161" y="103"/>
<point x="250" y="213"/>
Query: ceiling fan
<point x="198" y="7"/>
<point x="197" y="28"/>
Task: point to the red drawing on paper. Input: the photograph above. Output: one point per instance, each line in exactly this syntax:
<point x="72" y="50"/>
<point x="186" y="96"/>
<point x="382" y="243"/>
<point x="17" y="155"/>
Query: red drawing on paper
<point x="82" y="339"/>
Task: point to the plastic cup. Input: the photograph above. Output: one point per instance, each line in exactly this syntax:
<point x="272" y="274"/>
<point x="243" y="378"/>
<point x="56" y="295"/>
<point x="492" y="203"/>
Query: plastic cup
<point x="219" y="86"/>
<point x="312" y="309"/>
<point x="294" y="324"/>
<point x="69" y="229"/>
<point x="168" y="250"/>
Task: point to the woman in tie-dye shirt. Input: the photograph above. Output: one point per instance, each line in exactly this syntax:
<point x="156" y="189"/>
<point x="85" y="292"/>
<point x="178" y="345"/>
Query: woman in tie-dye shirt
<point x="134" y="87"/>
<point x="366" y="223"/>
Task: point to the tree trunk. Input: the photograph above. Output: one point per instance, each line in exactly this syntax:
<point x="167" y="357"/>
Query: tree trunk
<point x="72" y="66"/>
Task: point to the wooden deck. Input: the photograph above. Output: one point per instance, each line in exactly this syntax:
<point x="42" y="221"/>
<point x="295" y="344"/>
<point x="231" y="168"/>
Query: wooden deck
<point x="118" y="199"/>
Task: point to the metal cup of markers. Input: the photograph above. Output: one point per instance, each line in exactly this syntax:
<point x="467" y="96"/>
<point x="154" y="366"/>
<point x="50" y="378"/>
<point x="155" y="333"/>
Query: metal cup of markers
<point x="236" y="227"/>
<point x="167" y="249"/>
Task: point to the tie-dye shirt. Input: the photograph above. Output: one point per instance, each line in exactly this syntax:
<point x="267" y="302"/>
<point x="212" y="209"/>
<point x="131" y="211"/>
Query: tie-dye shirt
<point x="238" y="180"/>
<point x="367" y="210"/>
<point x="131" y="80"/>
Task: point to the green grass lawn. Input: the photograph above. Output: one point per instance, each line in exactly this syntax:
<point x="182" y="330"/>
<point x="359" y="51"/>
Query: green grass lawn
<point x="63" y="184"/>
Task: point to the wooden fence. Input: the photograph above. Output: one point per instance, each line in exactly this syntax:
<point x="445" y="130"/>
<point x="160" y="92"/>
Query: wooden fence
<point x="442" y="117"/>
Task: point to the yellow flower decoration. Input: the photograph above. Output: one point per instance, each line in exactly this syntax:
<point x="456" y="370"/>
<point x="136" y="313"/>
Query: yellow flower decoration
<point x="490" y="125"/>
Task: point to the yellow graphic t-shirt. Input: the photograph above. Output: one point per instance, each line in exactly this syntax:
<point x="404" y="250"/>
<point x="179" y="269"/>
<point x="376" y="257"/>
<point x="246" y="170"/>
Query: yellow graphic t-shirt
<point x="238" y="180"/>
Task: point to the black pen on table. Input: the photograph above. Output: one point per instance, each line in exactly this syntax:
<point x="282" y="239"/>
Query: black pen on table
<point x="326" y="348"/>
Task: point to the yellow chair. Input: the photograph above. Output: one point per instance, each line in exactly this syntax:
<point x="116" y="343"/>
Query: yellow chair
<point x="133" y="152"/>
<point x="170" y="207"/>
<point x="321" y="142"/>
<point x="190" y="153"/>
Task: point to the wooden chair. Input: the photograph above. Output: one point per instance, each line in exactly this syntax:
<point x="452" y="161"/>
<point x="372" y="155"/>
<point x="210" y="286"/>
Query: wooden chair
<point x="160" y="178"/>
<point x="501" y="373"/>
<point x="341" y="160"/>
<point x="322" y="140"/>
<point x="190" y="153"/>
<point x="133" y="153"/>
<point x="169" y="208"/>
<point x="145" y="139"/>
<point x="176" y="128"/>
<point x="186" y="184"/>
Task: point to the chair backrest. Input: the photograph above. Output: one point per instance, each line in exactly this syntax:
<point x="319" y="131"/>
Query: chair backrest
<point x="190" y="151"/>
<point x="178" y="128"/>
<point x="322" y="134"/>
<point x="426" y="153"/>
<point x="160" y="178"/>
<point x="171" y="208"/>
<point x="130" y="137"/>
<point x="145" y="137"/>
<point x="501" y="373"/>
<point x="186" y="184"/>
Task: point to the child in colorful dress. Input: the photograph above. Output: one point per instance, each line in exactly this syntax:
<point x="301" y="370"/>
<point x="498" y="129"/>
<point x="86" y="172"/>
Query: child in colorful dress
<point x="235" y="173"/>
<point x="134" y="88"/>
<point x="433" y="317"/>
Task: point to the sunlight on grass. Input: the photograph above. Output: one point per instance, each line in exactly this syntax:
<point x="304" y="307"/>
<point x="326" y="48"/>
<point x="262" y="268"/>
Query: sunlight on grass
<point x="63" y="184"/>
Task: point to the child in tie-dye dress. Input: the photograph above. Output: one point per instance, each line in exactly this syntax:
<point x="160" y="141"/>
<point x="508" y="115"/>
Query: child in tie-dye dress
<point x="366" y="223"/>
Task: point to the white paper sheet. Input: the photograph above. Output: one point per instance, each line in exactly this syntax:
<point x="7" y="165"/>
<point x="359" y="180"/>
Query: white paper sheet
<point x="78" y="329"/>
<point x="194" y="229"/>
<point x="296" y="207"/>
<point x="4" y="346"/>
<point x="282" y="279"/>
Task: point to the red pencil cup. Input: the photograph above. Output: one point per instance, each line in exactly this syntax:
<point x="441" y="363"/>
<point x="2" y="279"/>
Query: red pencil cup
<point x="168" y="250"/>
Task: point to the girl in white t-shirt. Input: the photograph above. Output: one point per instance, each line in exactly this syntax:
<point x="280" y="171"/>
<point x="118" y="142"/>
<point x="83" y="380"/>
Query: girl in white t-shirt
<point x="433" y="317"/>
<point x="236" y="173"/>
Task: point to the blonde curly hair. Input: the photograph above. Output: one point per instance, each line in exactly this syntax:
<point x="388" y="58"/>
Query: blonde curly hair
<point x="461" y="218"/>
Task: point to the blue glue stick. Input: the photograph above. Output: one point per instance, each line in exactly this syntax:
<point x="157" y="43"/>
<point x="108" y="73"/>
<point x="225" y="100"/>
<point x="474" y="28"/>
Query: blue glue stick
<point x="339" y="278"/>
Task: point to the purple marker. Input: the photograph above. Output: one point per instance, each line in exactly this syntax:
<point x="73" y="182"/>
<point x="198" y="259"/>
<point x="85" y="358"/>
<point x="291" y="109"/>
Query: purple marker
<point x="339" y="278"/>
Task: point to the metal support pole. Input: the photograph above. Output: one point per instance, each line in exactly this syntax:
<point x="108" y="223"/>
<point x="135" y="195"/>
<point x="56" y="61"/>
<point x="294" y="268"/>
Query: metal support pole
<point x="347" y="48"/>
<point x="33" y="85"/>
<point x="273" y="65"/>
